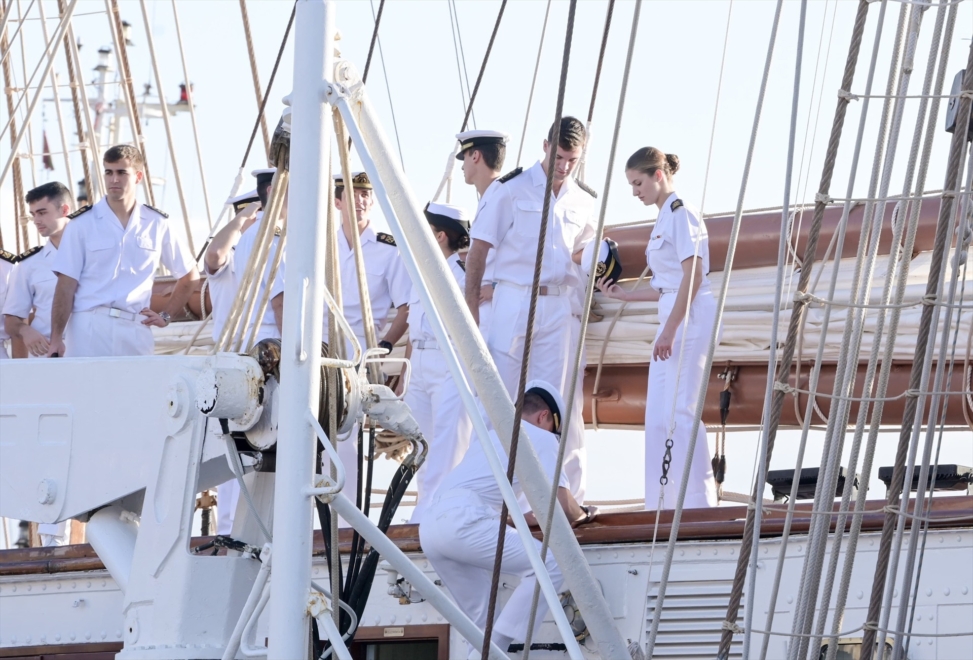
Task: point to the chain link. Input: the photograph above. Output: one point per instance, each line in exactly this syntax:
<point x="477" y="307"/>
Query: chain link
<point x="666" y="462"/>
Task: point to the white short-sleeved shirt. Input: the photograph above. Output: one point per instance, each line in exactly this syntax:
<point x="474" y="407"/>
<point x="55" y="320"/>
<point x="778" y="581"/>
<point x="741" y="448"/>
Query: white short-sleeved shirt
<point x="678" y="235"/>
<point x="5" y="269"/>
<point x="222" y="290"/>
<point x="511" y="223"/>
<point x="473" y="472"/>
<point x="419" y="328"/>
<point x="238" y="262"/>
<point x="388" y="283"/>
<point x="31" y="287"/>
<point x="115" y="265"/>
<point x="481" y="204"/>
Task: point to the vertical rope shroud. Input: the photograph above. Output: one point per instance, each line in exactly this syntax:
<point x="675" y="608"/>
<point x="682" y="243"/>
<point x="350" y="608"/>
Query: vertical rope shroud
<point x="76" y="104"/>
<point x="254" y="74"/>
<point x="800" y="306"/>
<point x="17" y="177"/>
<point x="534" y="291"/>
<point x="479" y="77"/>
<point x="950" y="187"/>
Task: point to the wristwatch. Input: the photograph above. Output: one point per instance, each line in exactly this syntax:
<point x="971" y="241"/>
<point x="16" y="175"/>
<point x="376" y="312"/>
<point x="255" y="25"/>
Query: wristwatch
<point x="165" y="317"/>
<point x="387" y="345"/>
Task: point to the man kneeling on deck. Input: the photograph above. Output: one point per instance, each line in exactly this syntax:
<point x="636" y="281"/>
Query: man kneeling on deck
<point x="459" y="530"/>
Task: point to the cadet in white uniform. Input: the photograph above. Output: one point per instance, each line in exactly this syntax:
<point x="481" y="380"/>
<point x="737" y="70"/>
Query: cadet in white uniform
<point x="32" y="282"/>
<point x="7" y="262"/>
<point x="389" y="287"/>
<point x="678" y="254"/>
<point x="459" y="530"/>
<point x="433" y="395"/>
<point x="483" y="153"/>
<point x="106" y="264"/>
<point x="230" y="250"/>
<point x="510" y="224"/>
<point x="223" y="285"/>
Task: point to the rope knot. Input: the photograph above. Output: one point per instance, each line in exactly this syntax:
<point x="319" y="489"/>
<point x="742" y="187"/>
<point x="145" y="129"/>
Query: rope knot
<point x="732" y="627"/>
<point x="824" y="198"/>
<point x="912" y="393"/>
<point x="803" y="297"/>
<point x="848" y="96"/>
<point x="928" y="299"/>
<point x="784" y="387"/>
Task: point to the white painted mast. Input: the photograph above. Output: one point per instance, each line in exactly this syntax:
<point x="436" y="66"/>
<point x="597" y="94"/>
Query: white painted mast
<point x="301" y="337"/>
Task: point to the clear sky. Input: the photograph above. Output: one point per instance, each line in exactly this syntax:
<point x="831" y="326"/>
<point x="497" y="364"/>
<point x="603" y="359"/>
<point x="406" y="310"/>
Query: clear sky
<point x="671" y="104"/>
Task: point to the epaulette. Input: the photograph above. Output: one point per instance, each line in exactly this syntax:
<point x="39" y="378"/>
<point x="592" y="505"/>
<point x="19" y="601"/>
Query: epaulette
<point x="676" y="205"/>
<point x="511" y="174"/>
<point x="162" y="213"/>
<point x="462" y="264"/>
<point x="29" y="253"/>
<point x="83" y="209"/>
<point x="9" y="257"/>
<point x="388" y="239"/>
<point x="588" y="189"/>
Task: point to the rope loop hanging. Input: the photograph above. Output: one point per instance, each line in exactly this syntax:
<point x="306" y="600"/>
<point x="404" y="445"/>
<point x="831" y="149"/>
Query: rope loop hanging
<point x="534" y="292"/>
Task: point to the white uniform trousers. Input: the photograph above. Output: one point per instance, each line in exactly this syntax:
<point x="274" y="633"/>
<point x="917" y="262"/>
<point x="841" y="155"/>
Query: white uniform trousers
<point x="680" y="380"/>
<point x="459" y="536"/>
<point x="227" y="499"/>
<point x="3" y="350"/>
<point x="552" y="356"/>
<point x="435" y="402"/>
<point x="486" y="318"/>
<point x="96" y="334"/>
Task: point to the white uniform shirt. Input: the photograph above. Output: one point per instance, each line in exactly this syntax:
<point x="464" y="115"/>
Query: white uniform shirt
<point x="419" y="327"/>
<point x="388" y="283"/>
<point x="5" y="268"/>
<point x="222" y="290"/>
<point x="239" y="261"/>
<point x="511" y="223"/>
<point x="473" y="473"/>
<point x="488" y="270"/>
<point x="31" y="287"/>
<point x="678" y="235"/>
<point x="115" y="266"/>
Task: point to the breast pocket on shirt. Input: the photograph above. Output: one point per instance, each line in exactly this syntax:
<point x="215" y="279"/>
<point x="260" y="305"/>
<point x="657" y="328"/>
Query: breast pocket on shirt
<point x="656" y="243"/>
<point x="527" y="220"/>
<point x="102" y="253"/>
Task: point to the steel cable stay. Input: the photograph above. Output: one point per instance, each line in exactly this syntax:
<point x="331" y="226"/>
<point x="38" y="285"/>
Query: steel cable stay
<point x="910" y="229"/>
<point x="534" y="293"/>
<point x="388" y="89"/>
<point x="371" y="42"/>
<point x="533" y="82"/>
<point x="930" y="430"/>
<point x="787" y="355"/>
<point x="460" y="55"/>
<point x="589" y="296"/>
<point x="920" y="368"/>
<point x="609" y="12"/>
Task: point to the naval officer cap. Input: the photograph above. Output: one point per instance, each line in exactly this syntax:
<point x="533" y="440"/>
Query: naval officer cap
<point x="264" y="175"/>
<point x="448" y="217"/>
<point x="359" y="180"/>
<point x="479" y="138"/>
<point x="550" y="395"/>
<point x="240" y="201"/>
<point x="609" y="264"/>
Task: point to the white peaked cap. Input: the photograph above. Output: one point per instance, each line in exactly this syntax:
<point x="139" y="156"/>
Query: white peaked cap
<point x="470" y="139"/>
<point x="457" y="213"/>
<point x="264" y="170"/>
<point x="551" y="395"/>
<point x="586" y="254"/>
<point x="245" y="197"/>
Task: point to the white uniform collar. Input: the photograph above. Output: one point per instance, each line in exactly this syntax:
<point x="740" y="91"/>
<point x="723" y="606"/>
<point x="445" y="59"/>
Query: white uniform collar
<point x="367" y="236"/>
<point x="539" y="179"/>
<point x="673" y="196"/>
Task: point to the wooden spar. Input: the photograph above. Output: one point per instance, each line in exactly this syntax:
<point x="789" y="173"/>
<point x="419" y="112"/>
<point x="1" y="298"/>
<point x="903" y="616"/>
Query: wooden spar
<point x="623" y="391"/>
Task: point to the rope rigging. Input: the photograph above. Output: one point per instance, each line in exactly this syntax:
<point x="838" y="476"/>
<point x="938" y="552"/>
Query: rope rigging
<point x="388" y="89"/>
<point x="586" y="307"/>
<point x="261" y="99"/>
<point x="534" y="291"/>
<point x="486" y="58"/>
<point x="533" y="82"/>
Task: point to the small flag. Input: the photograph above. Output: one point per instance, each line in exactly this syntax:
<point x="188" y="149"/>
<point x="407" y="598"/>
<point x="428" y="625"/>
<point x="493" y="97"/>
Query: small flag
<point x="46" y="159"/>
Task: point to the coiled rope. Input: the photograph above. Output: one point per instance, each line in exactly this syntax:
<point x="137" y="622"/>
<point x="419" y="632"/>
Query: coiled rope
<point x="534" y="291"/>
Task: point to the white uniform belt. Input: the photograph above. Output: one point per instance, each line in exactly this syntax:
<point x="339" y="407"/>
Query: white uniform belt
<point x="664" y="291"/>
<point x="114" y="312"/>
<point x="544" y="289"/>
<point x="425" y="344"/>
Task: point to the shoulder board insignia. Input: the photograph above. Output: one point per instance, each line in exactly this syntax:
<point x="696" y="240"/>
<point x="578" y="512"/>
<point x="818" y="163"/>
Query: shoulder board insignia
<point x="82" y="210"/>
<point x="9" y="257"/>
<point x="511" y="174"/>
<point x="388" y="239"/>
<point x="162" y="213"/>
<point x="676" y="204"/>
<point x="588" y="189"/>
<point x="30" y="253"/>
<point x="462" y="264"/>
